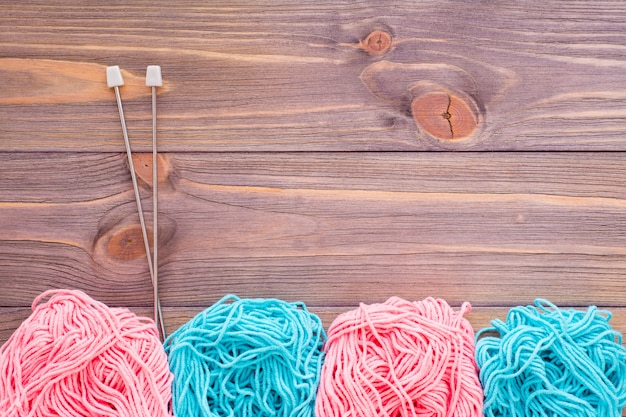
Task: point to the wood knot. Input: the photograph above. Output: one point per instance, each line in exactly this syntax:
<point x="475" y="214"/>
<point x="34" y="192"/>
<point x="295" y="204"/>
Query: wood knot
<point x="143" y="167"/>
<point x="377" y="43"/>
<point x="127" y="244"/>
<point x="119" y="242"/>
<point x="444" y="116"/>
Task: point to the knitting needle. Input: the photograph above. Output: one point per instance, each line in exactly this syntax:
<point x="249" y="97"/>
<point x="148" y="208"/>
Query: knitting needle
<point x="115" y="80"/>
<point x="154" y="80"/>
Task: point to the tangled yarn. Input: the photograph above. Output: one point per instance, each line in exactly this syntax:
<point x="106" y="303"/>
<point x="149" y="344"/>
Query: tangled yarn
<point x="549" y="362"/>
<point x="400" y="358"/>
<point x="76" y="357"/>
<point x="247" y="357"/>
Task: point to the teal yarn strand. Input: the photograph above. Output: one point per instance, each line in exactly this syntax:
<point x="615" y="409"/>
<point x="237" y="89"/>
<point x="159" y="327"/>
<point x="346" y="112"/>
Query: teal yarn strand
<point x="549" y="362"/>
<point x="247" y="357"/>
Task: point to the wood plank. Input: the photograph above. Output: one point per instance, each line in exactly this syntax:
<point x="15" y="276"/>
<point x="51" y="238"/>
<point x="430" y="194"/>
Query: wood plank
<point x="177" y="316"/>
<point x="331" y="229"/>
<point x="307" y="76"/>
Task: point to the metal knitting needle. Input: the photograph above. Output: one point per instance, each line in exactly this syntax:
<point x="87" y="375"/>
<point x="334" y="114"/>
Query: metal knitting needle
<point x="115" y="80"/>
<point x="154" y="80"/>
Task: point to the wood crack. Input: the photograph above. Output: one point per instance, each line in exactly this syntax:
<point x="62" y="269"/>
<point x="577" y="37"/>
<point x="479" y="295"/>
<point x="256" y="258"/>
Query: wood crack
<point x="446" y="115"/>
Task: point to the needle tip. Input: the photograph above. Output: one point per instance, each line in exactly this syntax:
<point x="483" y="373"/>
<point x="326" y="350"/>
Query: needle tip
<point x="153" y="76"/>
<point x="114" y="76"/>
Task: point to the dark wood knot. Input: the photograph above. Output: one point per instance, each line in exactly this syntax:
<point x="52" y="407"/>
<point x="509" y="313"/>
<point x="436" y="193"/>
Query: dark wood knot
<point x="127" y="244"/>
<point x="120" y="241"/>
<point x="444" y="116"/>
<point x="143" y="168"/>
<point x="377" y="43"/>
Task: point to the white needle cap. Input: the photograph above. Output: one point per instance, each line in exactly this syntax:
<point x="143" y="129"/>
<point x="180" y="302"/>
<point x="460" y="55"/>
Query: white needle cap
<point x="114" y="76"/>
<point x="153" y="76"/>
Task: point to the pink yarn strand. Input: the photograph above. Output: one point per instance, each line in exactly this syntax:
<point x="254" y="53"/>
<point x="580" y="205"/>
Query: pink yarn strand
<point x="74" y="356"/>
<point x="400" y="358"/>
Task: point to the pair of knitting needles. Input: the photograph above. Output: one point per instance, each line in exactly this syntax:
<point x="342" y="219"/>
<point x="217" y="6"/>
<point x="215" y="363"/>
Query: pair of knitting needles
<point x="153" y="80"/>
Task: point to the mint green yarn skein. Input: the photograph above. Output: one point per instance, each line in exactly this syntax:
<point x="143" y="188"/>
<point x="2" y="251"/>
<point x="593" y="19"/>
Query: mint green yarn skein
<point x="550" y="362"/>
<point x="247" y="357"/>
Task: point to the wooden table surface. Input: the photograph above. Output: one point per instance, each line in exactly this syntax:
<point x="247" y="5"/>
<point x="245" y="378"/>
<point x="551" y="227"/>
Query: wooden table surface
<point x="328" y="152"/>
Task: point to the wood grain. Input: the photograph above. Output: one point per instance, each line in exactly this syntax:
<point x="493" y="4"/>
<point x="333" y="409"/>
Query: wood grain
<point x="303" y="76"/>
<point x="330" y="229"/>
<point x="295" y="161"/>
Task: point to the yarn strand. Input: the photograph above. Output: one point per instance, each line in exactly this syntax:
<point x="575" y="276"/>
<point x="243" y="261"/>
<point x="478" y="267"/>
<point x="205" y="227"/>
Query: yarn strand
<point x="74" y="356"/>
<point x="400" y="359"/>
<point x="247" y="357"/>
<point x="547" y="362"/>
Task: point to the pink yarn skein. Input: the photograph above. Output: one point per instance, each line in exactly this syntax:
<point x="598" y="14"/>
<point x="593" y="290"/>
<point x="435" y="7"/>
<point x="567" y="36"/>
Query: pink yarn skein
<point x="75" y="356"/>
<point x="400" y="358"/>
